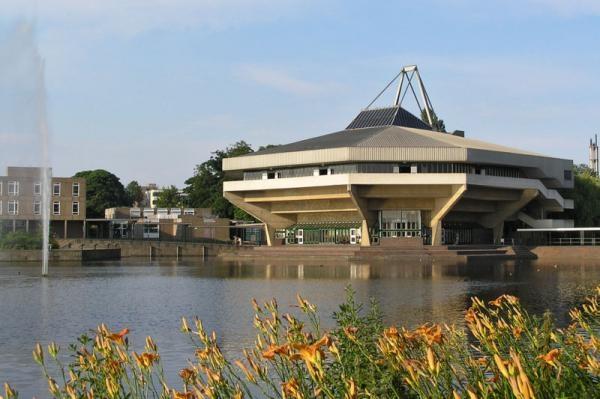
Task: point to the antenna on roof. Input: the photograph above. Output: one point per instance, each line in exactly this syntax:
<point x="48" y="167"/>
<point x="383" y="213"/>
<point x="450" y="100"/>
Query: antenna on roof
<point x="407" y="74"/>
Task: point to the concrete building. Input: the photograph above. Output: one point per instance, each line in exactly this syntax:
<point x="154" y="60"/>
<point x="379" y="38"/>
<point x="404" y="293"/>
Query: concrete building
<point x="169" y="224"/>
<point x="389" y="179"/>
<point x="21" y="202"/>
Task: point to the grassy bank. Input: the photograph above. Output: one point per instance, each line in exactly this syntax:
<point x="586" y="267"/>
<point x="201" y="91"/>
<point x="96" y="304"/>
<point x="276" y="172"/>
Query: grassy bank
<point x="503" y="352"/>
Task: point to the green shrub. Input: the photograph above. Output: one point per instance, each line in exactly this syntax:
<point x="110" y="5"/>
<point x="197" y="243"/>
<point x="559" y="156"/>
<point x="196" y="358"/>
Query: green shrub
<point x="23" y="240"/>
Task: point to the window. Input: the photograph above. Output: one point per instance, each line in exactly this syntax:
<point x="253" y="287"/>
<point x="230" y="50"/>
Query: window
<point x="37" y="208"/>
<point x="322" y="172"/>
<point x="13" y="188"/>
<point x="56" y="208"/>
<point x="56" y="189"/>
<point x="189" y="211"/>
<point x="270" y="175"/>
<point x="75" y="208"/>
<point x="75" y="189"/>
<point x="37" y="188"/>
<point x="13" y="207"/>
<point x="568" y="175"/>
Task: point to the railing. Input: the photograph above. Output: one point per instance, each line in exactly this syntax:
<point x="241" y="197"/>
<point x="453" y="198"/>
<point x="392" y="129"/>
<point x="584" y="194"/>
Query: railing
<point x="575" y="241"/>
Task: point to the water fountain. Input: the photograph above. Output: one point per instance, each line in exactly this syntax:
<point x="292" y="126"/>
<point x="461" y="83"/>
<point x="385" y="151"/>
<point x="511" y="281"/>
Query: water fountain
<point x="24" y="135"/>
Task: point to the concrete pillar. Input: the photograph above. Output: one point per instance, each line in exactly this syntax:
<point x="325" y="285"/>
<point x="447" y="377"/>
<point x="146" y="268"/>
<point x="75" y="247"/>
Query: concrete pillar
<point x="270" y="233"/>
<point x="441" y="209"/>
<point x="436" y="233"/>
<point x="14" y="225"/>
<point x="498" y="232"/>
<point x="262" y="213"/>
<point x="364" y="213"/>
<point x="27" y="226"/>
<point x="65" y="229"/>
<point x="84" y="230"/>
<point x="365" y="240"/>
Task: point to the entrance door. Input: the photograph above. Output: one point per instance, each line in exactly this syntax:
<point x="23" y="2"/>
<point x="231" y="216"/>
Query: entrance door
<point x="300" y="236"/>
<point x="352" y="236"/>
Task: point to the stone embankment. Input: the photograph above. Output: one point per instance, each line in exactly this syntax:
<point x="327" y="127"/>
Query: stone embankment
<point x="68" y="255"/>
<point x="81" y="250"/>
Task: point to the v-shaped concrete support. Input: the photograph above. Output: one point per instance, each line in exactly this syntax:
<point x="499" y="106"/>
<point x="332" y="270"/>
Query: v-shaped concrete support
<point x="441" y="209"/>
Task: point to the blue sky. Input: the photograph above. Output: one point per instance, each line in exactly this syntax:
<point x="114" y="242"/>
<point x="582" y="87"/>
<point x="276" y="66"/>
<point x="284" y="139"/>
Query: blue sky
<point x="148" y="88"/>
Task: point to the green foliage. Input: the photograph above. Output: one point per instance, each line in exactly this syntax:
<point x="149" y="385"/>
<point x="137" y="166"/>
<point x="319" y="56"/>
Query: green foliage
<point x="135" y="194"/>
<point x="168" y="197"/>
<point x="586" y="195"/>
<point x="438" y="125"/>
<point x="205" y="188"/>
<point x="357" y="333"/>
<point x="266" y="147"/>
<point x="23" y="240"/>
<point x="104" y="190"/>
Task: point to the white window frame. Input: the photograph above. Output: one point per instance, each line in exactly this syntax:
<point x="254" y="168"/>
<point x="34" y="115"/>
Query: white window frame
<point x="15" y="187"/>
<point x="75" y="203"/>
<point x="76" y="184"/>
<point x="54" y="185"/>
<point x="37" y="188"/>
<point x="1" y="208"/>
<point x="38" y="204"/>
<point x="54" y="209"/>
<point x="15" y="205"/>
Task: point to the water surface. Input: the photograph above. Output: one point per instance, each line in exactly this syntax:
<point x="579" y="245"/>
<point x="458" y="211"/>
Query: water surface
<point x="151" y="297"/>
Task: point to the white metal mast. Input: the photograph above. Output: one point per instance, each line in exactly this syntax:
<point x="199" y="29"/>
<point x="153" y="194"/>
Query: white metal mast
<point x="409" y="77"/>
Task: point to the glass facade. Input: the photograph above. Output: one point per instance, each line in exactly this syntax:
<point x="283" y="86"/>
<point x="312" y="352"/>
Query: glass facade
<point x="400" y="223"/>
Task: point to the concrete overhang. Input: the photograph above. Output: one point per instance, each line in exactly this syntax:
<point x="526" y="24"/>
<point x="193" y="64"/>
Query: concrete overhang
<point x="383" y="179"/>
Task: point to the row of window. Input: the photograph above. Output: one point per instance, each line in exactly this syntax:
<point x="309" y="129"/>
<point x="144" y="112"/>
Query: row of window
<point x="13" y="188"/>
<point x="13" y="208"/>
<point x="433" y="167"/>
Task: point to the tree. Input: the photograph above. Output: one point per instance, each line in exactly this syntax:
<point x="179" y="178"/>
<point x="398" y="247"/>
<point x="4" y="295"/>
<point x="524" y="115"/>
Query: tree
<point x="135" y="194"/>
<point x="205" y="188"/>
<point x="438" y="125"/>
<point x="266" y="147"/>
<point x="104" y="190"/>
<point x="586" y="195"/>
<point x="168" y="197"/>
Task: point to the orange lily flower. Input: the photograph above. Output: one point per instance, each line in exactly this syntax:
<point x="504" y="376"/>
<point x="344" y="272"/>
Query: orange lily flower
<point x="550" y="357"/>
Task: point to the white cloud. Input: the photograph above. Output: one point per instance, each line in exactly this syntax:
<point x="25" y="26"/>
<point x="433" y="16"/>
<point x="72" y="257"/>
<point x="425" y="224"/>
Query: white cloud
<point x="281" y="80"/>
<point x="131" y="17"/>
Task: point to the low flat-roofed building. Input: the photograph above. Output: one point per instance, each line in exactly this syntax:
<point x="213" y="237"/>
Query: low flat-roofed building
<point x="169" y="224"/>
<point x="21" y="202"/>
<point x="388" y="177"/>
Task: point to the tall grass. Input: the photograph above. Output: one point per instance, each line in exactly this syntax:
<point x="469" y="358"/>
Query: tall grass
<point x="504" y="352"/>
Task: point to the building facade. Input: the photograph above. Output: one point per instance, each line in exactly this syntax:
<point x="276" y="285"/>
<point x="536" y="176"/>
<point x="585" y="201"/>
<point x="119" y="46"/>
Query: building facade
<point x="21" y="202"/>
<point x="388" y="178"/>
<point x="169" y="224"/>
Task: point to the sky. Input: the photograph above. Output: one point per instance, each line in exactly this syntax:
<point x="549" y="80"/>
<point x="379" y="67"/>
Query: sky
<point x="147" y="89"/>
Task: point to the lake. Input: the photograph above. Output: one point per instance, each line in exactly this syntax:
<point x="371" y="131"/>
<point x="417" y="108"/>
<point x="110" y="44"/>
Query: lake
<point x="150" y="297"/>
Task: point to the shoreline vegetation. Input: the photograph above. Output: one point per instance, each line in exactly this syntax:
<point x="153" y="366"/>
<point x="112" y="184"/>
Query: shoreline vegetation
<point x="20" y="240"/>
<point x="503" y="352"/>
